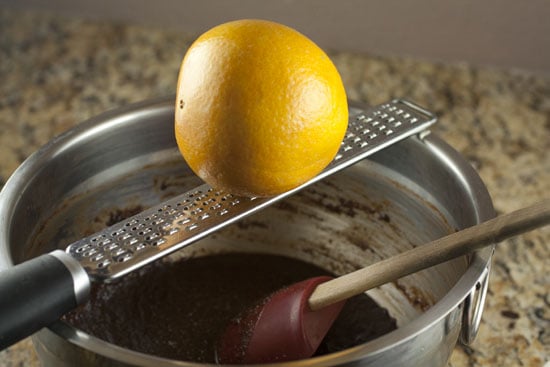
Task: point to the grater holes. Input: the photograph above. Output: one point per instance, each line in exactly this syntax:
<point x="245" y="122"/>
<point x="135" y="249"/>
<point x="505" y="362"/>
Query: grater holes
<point x="152" y="236"/>
<point x="201" y="197"/>
<point x="138" y="227"/>
<point x="196" y="211"/>
<point x="349" y="135"/>
<point x="189" y="206"/>
<point x="195" y="193"/>
<point x="130" y="241"/>
<point x="124" y="237"/>
<point x="118" y="232"/>
<point x="150" y="217"/>
<point x="145" y="231"/>
<point x="117" y="252"/>
<point x="131" y="222"/>
<point x="103" y="264"/>
<point x="97" y="257"/>
<point x="111" y="246"/>
<point x="209" y="201"/>
<point x="89" y="252"/>
<point x="183" y="202"/>
<point x="226" y="197"/>
<point x="98" y="238"/>
<point x="184" y="221"/>
<point x="157" y="221"/>
<point x="173" y="230"/>
<point x="366" y="129"/>
<point x="83" y="248"/>
<point x="169" y="212"/>
<point x="359" y="142"/>
<point x="160" y="210"/>
<point x="175" y="217"/>
<point x="158" y="242"/>
<point x="122" y="256"/>
<point x="138" y="247"/>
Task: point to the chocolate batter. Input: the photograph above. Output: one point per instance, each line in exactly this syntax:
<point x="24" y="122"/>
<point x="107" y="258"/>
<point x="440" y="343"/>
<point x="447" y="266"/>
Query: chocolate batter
<point x="178" y="309"/>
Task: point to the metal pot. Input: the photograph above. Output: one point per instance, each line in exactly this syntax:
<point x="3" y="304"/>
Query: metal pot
<point x="406" y="195"/>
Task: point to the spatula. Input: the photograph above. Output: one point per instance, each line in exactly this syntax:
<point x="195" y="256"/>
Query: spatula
<point x="38" y="292"/>
<point x="291" y="323"/>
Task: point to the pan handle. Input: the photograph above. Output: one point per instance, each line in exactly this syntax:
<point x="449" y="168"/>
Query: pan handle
<point x="473" y="308"/>
<point x="38" y="292"/>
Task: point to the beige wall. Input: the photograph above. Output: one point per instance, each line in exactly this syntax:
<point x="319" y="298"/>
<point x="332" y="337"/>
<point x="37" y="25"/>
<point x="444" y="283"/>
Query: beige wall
<point x="505" y="33"/>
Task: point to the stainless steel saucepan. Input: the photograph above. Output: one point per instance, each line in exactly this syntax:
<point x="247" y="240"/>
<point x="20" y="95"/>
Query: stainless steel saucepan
<point x="408" y="194"/>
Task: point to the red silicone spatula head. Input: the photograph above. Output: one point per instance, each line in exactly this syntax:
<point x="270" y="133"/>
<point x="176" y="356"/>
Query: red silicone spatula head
<point x="281" y="328"/>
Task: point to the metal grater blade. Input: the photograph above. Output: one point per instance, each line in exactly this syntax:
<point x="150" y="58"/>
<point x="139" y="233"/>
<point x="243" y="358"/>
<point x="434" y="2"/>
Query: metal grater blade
<point x="176" y="223"/>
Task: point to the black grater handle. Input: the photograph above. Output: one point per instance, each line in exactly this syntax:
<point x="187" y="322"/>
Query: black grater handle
<point x="38" y="292"/>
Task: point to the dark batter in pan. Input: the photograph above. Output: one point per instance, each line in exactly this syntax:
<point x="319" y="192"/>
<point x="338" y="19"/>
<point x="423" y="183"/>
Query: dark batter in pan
<point x="178" y="309"/>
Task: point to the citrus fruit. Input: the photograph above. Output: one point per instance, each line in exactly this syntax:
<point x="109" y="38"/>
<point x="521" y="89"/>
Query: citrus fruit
<point x="260" y="108"/>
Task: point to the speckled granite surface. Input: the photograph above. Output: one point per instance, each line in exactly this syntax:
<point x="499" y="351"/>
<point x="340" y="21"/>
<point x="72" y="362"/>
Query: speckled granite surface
<point x="57" y="72"/>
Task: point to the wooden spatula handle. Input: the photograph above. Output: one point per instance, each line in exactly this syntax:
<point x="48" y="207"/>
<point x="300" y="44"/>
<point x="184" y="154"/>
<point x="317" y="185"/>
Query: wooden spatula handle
<point x="435" y="252"/>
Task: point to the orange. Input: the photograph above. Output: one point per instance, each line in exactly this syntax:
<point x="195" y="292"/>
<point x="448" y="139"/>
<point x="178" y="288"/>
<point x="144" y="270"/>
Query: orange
<point x="260" y="108"/>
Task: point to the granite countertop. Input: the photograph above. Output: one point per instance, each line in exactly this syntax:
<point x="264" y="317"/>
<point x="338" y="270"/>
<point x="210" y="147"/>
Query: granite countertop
<point x="57" y="72"/>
